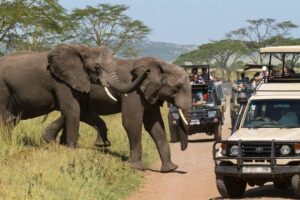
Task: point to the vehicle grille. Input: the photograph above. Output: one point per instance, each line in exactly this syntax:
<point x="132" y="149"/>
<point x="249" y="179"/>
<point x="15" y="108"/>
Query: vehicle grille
<point x="198" y="115"/>
<point x="256" y="150"/>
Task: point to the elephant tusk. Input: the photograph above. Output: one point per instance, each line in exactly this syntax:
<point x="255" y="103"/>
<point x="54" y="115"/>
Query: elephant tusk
<point x="109" y="94"/>
<point x="126" y="95"/>
<point x="182" y="116"/>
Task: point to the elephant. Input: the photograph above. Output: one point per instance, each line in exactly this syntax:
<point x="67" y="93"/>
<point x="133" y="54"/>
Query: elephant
<point x="165" y="82"/>
<point x="35" y="83"/>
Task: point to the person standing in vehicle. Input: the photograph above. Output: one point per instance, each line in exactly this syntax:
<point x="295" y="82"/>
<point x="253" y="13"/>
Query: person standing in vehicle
<point x="205" y="76"/>
<point x="255" y="80"/>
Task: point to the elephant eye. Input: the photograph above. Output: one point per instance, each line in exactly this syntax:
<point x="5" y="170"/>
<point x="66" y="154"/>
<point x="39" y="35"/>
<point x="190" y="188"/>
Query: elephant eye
<point x="98" y="67"/>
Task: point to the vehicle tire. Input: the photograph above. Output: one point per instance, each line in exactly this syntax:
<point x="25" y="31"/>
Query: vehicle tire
<point x="295" y="181"/>
<point x="280" y="184"/>
<point x="230" y="187"/>
<point x="218" y="132"/>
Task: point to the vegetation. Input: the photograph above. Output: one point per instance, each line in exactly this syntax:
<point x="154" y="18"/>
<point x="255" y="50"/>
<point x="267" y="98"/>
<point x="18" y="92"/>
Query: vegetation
<point x="243" y="45"/>
<point x="32" y="169"/>
<point x="41" y="24"/>
<point x="107" y="25"/>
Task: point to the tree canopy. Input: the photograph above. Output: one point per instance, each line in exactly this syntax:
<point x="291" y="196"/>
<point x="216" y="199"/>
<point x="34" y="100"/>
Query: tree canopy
<point x="107" y="25"/>
<point x="42" y="24"/>
<point x="244" y="44"/>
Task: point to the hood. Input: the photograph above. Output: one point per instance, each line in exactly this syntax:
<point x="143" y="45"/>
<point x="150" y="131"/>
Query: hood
<point x="260" y="134"/>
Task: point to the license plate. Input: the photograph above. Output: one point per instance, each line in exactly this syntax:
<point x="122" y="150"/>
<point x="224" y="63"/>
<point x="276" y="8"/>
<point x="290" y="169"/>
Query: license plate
<point x="252" y="170"/>
<point x="195" y="122"/>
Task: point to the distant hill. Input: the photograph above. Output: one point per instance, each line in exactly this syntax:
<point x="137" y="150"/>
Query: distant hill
<point x="163" y="50"/>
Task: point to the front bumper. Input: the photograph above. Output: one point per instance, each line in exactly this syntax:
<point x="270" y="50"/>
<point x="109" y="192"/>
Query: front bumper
<point x="276" y="171"/>
<point x="264" y="166"/>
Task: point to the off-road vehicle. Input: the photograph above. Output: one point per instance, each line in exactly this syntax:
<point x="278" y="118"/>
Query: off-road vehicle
<point x="208" y="109"/>
<point x="265" y="141"/>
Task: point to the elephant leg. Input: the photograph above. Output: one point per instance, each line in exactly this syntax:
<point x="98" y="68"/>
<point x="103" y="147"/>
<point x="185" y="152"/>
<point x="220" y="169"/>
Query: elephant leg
<point x="6" y="107"/>
<point x="132" y="118"/>
<point x="51" y="131"/>
<point x="154" y="124"/>
<point x="70" y="109"/>
<point x="95" y="121"/>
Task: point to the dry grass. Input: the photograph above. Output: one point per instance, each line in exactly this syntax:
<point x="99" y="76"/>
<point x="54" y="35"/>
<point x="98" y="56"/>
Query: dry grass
<point x="32" y="169"/>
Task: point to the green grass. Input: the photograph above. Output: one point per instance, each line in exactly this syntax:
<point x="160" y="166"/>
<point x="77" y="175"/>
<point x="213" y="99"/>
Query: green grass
<point x="32" y="169"/>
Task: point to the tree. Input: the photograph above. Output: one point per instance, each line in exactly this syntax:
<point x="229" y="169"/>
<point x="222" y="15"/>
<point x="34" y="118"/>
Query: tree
<point x="41" y="26"/>
<point x="107" y="25"/>
<point x="30" y="24"/>
<point x="259" y="33"/>
<point x="224" y="53"/>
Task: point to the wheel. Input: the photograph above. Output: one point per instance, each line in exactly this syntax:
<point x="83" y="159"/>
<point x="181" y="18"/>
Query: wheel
<point x="218" y="132"/>
<point x="296" y="184"/>
<point x="280" y="184"/>
<point x="174" y="135"/>
<point x="230" y="187"/>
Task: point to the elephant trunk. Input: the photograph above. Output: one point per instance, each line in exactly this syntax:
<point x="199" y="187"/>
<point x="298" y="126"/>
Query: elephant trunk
<point x="119" y="86"/>
<point x="184" y="127"/>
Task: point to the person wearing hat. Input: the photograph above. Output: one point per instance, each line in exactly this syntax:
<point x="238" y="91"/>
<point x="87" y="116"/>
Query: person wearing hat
<point x="264" y="72"/>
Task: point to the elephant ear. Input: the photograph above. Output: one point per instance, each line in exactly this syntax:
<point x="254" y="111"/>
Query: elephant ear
<point x="152" y="85"/>
<point x="66" y="64"/>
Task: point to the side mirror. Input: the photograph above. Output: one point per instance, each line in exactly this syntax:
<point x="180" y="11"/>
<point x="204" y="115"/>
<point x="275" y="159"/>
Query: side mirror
<point x="242" y="98"/>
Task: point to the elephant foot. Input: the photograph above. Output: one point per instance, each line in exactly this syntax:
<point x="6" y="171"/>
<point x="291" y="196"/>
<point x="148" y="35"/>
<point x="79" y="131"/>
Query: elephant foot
<point x="168" y="167"/>
<point x="71" y="145"/>
<point x="138" y="165"/>
<point x="99" y="143"/>
<point x="48" y="137"/>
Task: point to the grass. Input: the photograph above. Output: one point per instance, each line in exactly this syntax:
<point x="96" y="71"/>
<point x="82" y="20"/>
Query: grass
<point x="32" y="169"/>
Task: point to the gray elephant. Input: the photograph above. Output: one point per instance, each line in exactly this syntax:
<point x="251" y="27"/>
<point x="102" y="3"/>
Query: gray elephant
<point x="165" y="82"/>
<point x="35" y="83"/>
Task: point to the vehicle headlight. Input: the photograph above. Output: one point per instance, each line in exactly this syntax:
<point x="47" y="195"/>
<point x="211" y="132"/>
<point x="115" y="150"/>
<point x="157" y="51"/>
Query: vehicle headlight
<point x="223" y="149"/>
<point x="175" y="115"/>
<point x="212" y="113"/>
<point x="234" y="150"/>
<point x="285" y="150"/>
<point x="297" y="148"/>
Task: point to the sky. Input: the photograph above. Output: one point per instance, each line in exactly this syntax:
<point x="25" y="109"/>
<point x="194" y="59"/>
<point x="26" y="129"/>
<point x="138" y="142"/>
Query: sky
<point x="199" y="21"/>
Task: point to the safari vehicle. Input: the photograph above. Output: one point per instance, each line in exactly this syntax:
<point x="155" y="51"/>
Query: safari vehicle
<point x="242" y="85"/>
<point x="265" y="142"/>
<point x="208" y="109"/>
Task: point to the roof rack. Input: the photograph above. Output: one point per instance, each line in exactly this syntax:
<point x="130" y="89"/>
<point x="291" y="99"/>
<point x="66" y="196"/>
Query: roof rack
<point x="281" y="49"/>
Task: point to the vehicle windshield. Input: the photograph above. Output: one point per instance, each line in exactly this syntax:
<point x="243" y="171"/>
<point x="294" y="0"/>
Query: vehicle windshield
<point x="201" y="96"/>
<point x="273" y="114"/>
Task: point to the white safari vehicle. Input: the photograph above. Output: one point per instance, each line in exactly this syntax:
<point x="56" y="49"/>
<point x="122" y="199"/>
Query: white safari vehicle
<point x="265" y="141"/>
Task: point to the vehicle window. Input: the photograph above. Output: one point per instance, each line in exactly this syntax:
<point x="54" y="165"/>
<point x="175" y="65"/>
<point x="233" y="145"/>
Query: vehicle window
<point x="201" y="95"/>
<point x="273" y="113"/>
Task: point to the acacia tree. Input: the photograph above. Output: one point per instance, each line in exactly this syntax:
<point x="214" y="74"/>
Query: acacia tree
<point x="10" y="13"/>
<point x="223" y="53"/>
<point x="259" y="33"/>
<point x="108" y="25"/>
<point x="41" y="26"/>
<point x="30" y="24"/>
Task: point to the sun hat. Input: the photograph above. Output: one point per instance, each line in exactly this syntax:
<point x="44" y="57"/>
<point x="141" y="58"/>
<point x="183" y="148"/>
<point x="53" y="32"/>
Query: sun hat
<point x="264" y="68"/>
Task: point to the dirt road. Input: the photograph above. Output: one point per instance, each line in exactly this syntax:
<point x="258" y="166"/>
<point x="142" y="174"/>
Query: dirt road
<point x="195" y="178"/>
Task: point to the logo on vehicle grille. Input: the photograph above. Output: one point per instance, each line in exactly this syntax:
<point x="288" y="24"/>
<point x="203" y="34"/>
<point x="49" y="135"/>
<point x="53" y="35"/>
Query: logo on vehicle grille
<point x="259" y="149"/>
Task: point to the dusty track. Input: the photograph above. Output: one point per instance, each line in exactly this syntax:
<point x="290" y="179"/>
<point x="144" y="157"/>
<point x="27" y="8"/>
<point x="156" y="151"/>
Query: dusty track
<point x="195" y="178"/>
